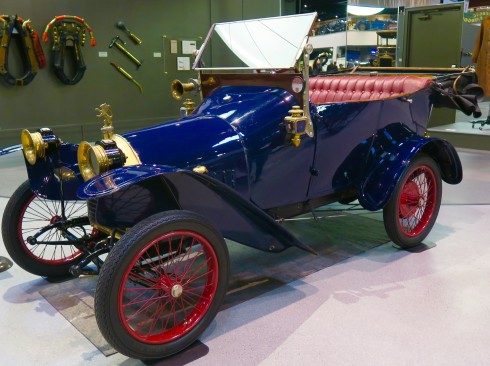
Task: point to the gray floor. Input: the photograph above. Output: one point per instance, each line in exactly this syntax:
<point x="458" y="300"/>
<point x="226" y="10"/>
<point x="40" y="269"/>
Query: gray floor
<point x="356" y="304"/>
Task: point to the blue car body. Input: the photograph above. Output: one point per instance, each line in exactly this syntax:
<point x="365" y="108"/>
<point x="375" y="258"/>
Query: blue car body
<point x="254" y="176"/>
<point x="359" y="151"/>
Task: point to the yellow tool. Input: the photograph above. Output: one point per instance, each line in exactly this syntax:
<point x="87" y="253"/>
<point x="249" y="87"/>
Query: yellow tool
<point x="116" y="41"/>
<point x="128" y="76"/>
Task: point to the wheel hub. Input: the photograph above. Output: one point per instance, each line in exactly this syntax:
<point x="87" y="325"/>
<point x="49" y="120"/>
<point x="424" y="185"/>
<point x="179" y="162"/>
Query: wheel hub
<point x="176" y="291"/>
<point x="410" y="200"/>
<point x="171" y="286"/>
<point x="55" y="219"/>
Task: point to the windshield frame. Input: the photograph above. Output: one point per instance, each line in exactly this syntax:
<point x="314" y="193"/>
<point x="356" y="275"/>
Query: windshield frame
<point x="290" y="64"/>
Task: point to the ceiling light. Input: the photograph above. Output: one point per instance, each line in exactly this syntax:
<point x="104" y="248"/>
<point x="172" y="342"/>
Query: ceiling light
<point x="363" y="10"/>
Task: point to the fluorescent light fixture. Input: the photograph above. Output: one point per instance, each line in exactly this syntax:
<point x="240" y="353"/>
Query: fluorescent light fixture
<point x="363" y="10"/>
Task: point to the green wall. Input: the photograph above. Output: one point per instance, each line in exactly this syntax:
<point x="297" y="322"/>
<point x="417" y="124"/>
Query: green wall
<point x="69" y="109"/>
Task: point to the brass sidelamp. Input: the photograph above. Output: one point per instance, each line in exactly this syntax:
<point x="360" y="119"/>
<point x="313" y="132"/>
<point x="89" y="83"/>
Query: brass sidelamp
<point x="296" y="125"/>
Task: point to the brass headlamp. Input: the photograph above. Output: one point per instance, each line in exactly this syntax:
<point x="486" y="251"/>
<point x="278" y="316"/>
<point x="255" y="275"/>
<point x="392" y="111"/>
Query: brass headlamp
<point x="38" y="144"/>
<point x="99" y="158"/>
<point x="112" y="152"/>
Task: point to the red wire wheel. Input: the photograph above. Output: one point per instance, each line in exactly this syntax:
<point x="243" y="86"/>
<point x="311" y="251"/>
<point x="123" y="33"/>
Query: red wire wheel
<point x="417" y="201"/>
<point x="161" y="285"/>
<point x="38" y="213"/>
<point x="163" y="296"/>
<point x="27" y="214"/>
<point x="412" y="211"/>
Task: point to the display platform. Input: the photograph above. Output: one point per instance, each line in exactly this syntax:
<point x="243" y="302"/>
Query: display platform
<point x="467" y="131"/>
<point x="335" y="236"/>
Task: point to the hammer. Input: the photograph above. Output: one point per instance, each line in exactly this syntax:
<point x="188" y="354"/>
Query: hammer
<point x="116" y="41"/>
<point x="120" y="24"/>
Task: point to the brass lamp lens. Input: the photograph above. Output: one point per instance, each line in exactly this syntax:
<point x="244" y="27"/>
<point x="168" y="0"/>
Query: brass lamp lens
<point x="99" y="160"/>
<point x="93" y="161"/>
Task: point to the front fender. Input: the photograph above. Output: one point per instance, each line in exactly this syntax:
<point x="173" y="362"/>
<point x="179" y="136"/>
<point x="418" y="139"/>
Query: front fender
<point x="376" y="188"/>
<point x="48" y="174"/>
<point x="124" y="196"/>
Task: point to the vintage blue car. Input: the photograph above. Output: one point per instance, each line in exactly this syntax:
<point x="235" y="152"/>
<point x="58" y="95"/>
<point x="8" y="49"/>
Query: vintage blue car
<point x="376" y="24"/>
<point x="333" y="26"/>
<point x="149" y="210"/>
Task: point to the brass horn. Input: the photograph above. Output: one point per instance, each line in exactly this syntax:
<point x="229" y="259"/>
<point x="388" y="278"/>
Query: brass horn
<point x="178" y="88"/>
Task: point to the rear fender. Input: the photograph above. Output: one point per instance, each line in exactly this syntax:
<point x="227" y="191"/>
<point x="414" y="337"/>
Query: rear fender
<point x="124" y="196"/>
<point x="377" y="186"/>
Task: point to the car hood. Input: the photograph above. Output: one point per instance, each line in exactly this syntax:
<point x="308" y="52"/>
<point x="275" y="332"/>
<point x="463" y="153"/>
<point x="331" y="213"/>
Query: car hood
<point x="230" y="120"/>
<point x="185" y="142"/>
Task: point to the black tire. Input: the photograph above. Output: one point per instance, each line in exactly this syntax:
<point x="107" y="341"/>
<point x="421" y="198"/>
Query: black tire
<point x="414" y="205"/>
<point x="174" y="265"/>
<point x="27" y="213"/>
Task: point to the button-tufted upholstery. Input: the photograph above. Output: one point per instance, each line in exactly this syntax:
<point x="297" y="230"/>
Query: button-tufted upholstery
<point x="327" y="89"/>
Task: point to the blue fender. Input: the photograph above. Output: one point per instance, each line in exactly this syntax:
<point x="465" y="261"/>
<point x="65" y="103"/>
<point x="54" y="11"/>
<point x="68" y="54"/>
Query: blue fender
<point x="377" y="186"/>
<point x="124" y="196"/>
<point x="44" y="176"/>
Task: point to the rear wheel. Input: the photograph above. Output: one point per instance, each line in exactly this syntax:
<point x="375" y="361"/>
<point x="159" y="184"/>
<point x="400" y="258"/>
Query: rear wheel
<point x="27" y="214"/>
<point x="413" y="208"/>
<point x="161" y="285"/>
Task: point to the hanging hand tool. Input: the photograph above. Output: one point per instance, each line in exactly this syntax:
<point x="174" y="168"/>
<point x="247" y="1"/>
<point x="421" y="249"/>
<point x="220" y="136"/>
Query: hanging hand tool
<point x="116" y="42"/>
<point x="128" y="76"/>
<point x="120" y="25"/>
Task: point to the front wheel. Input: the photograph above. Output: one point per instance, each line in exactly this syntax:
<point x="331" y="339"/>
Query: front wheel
<point x="414" y="205"/>
<point x="27" y="215"/>
<point x="161" y="285"/>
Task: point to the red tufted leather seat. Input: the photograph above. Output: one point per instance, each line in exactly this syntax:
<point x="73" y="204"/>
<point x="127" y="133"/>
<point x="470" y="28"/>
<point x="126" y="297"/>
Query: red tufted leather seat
<point x="328" y="89"/>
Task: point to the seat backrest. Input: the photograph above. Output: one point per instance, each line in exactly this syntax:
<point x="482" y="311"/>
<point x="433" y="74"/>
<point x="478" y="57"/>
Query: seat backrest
<point x="344" y="88"/>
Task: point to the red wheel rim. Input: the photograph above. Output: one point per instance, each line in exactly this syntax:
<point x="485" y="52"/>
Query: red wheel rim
<point x="417" y="200"/>
<point x="38" y="213"/>
<point x="168" y="287"/>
